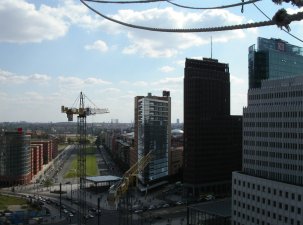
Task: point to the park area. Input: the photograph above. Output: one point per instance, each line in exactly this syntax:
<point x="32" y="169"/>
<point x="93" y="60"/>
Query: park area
<point x="6" y="201"/>
<point x="91" y="164"/>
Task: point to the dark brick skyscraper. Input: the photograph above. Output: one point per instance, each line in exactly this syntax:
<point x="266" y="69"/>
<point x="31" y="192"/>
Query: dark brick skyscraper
<point x="212" y="138"/>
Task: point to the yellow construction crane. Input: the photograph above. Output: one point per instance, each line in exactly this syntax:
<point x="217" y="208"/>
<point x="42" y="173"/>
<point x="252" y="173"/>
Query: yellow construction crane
<point x="70" y="112"/>
<point x="81" y="113"/>
<point x="120" y="188"/>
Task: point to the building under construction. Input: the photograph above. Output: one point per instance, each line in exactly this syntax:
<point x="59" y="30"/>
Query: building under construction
<point x="15" y="158"/>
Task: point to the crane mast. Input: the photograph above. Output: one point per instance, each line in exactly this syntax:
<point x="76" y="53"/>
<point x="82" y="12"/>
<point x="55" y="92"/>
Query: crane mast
<point x="81" y="113"/>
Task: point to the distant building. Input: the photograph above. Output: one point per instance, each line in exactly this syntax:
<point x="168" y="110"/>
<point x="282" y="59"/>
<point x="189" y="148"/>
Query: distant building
<point x="36" y="158"/>
<point x="46" y="149"/>
<point x="125" y="143"/>
<point x="152" y="133"/>
<point x="114" y="120"/>
<point x="273" y="58"/>
<point x="176" y="152"/>
<point x="212" y="138"/>
<point x="15" y="158"/>
<point x="269" y="189"/>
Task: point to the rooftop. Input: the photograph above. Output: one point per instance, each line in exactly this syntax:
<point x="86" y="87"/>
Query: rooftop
<point x="220" y="207"/>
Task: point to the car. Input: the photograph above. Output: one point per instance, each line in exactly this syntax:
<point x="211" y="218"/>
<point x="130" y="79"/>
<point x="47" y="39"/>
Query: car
<point x="179" y="203"/>
<point x="138" y="211"/>
<point x="209" y="197"/>
<point x="70" y="215"/>
<point x="165" y="205"/>
<point x="92" y="210"/>
<point x="65" y="211"/>
<point x="152" y="207"/>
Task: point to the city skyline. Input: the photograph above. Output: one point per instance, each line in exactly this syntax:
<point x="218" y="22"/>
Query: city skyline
<point x="51" y="51"/>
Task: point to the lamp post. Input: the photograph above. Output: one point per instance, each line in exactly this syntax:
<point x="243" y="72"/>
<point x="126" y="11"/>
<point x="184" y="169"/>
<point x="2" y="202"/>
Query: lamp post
<point x="71" y="193"/>
<point x="99" y="211"/>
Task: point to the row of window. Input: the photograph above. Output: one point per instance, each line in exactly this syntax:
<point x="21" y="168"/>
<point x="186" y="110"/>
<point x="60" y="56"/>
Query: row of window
<point x="288" y="135"/>
<point x="288" y="178"/>
<point x="273" y="144"/>
<point x="276" y="104"/>
<point x="257" y="220"/>
<point x="274" y="124"/>
<point x="276" y="165"/>
<point x="279" y="155"/>
<point x="292" y="114"/>
<point x="275" y="95"/>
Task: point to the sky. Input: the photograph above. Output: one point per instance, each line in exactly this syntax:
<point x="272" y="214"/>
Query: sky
<point x="52" y="50"/>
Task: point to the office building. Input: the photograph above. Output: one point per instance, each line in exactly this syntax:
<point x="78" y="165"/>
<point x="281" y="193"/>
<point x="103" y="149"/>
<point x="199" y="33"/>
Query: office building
<point x="269" y="189"/>
<point x="212" y="137"/>
<point x="15" y="158"/>
<point x="272" y="59"/>
<point x="152" y="133"/>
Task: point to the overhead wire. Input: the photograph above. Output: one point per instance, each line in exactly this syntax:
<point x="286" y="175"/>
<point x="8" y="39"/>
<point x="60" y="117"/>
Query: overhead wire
<point x="281" y="28"/>
<point x="125" y="2"/>
<point x="280" y="19"/>
<point x="215" y="7"/>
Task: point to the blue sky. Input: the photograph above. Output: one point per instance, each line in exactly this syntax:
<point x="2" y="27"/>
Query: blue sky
<point x="52" y="50"/>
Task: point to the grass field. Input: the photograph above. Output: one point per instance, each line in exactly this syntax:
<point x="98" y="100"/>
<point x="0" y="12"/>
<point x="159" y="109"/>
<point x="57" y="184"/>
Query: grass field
<point x="91" y="167"/>
<point x="10" y="200"/>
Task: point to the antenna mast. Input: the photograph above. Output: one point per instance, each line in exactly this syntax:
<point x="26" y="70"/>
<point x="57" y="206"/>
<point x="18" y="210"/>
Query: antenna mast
<point x="211" y="47"/>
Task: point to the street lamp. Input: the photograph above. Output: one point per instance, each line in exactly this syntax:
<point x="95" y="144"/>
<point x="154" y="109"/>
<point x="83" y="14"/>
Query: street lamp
<point x="71" y="193"/>
<point x="99" y="211"/>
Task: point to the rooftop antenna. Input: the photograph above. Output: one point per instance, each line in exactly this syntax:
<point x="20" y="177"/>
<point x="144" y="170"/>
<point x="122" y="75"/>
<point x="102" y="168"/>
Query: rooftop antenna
<point x="211" y="47"/>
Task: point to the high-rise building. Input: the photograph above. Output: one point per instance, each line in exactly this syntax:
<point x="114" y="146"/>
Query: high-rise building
<point x="269" y="189"/>
<point x="15" y="158"/>
<point x="273" y="58"/>
<point x="212" y="138"/>
<point x="152" y="133"/>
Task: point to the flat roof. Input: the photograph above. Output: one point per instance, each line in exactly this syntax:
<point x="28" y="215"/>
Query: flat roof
<point x="107" y="178"/>
<point x="220" y="207"/>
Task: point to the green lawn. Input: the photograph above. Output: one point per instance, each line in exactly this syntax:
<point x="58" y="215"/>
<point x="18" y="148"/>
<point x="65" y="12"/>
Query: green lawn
<point x="91" y="167"/>
<point x="10" y="200"/>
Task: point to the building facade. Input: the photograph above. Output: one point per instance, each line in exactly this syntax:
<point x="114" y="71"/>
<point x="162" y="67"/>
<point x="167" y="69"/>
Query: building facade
<point x="212" y="138"/>
<point x="272" y="59"/>
<point x="153" y="133"/>
<point x="15" y="158"/>
<point x="269" y="189"/>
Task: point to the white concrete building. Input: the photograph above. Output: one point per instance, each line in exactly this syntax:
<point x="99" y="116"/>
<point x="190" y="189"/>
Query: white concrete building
<point x="269" y="190"/>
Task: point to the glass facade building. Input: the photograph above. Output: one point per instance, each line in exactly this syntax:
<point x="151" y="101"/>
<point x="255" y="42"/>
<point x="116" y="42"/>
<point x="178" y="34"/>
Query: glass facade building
<point x="272" y="59"/>
<point x="153" y="131"/>
<point x="212" y="136"/>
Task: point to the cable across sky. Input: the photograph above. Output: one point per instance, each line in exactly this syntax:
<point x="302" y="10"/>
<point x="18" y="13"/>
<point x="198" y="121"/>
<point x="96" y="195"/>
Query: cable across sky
<point x="281" y="19"/>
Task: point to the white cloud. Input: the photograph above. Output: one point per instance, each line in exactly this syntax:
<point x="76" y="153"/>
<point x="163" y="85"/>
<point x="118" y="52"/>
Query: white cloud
<point x="238" y="101"/>
<point x="78" y="82"/>
<point x="10" y="78"/>
<point x="140" y="84"/>
<point x="159" y="44"/>
<point x="236" y="80"/>
<point x="110" y="90"/>
<point x="170" y="81"/>
<point x="22" y="22"/>
<point x="180" y="62"/>
<point x="97" y="45"/>
<point x="167" y="69"/>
